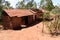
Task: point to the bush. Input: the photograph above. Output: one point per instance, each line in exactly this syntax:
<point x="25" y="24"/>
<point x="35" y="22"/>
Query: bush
<point x="54" y="26"/>
<point x="47" y="16"/>
<point x="55" y="11"/>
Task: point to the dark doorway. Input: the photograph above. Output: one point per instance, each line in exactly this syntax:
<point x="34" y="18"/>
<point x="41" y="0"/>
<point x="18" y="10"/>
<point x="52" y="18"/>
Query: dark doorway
<point x="26" y="20"/>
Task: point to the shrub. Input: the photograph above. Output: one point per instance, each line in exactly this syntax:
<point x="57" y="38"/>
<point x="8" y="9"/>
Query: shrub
<point x="54" y="26"/>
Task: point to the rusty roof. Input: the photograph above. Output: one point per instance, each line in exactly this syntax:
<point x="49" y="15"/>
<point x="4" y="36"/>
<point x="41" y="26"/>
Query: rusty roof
<point x="18" y="12"/>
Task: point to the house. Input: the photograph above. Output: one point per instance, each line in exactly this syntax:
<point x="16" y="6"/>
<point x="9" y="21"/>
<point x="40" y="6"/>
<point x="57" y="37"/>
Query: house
<point x="13" y="18"/>
<point x="38" y="13"/>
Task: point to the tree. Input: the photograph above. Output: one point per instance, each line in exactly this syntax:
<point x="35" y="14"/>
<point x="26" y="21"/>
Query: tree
<point x="0" y="5"/>
<point x="47" y="4"/>
<point x="57" y="7"/>
<point x="30" y="4"/>
<point x="55" y="11"/>
<point x="7" y="5"/>
<point x="34" y="5"/>
<point x="20" y="5"/>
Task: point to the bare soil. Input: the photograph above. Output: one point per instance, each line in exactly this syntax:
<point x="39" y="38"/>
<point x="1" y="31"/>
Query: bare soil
<point x="30" y="33"/>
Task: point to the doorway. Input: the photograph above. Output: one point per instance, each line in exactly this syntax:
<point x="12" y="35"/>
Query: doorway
<point x="26" y="20"/>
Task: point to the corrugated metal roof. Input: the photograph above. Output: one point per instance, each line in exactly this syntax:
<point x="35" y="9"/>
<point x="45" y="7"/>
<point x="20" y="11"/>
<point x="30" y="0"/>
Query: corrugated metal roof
<point x="18" y="12"/>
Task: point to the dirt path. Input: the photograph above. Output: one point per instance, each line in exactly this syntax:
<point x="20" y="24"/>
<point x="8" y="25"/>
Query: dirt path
<point x="31" y="33"/>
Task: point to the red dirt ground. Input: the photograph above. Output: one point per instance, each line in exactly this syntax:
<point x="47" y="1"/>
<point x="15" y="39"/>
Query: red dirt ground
<point x="31" y="33"/>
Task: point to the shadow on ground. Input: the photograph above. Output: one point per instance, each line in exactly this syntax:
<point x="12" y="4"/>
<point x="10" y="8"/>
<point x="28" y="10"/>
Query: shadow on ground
<point x="34" y="23"/>
<point x="29" y="25"/>
<point x="37" y="21"/>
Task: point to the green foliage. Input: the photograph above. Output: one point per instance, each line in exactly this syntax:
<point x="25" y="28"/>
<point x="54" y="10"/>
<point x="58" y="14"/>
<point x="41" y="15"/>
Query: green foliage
<point x="0" y="9"/>
<point x="0" y="5"/>
<point x="47" y="4"/>
<point x="26" y="5"/>
<point x="46" y="15"/>
<point x="20" y="5"/>
<point x="55" y="11"/>
<point x="54" y="25"/>
<point x="7" y="5"/>
<point x="31" y="4"/>
<point x="34" y="5"/>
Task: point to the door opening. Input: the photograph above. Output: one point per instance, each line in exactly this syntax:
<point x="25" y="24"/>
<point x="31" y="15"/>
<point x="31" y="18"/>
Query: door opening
<point x="26" y="20"/>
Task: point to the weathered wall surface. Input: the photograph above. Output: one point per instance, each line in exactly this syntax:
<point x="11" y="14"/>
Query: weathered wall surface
<point x="6" y="21"/>
<point x="30" y="19"/>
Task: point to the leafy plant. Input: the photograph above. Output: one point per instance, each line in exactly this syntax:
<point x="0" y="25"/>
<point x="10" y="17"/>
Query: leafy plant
<point x="55" y="11"/>
<point x="54" y="26"/>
